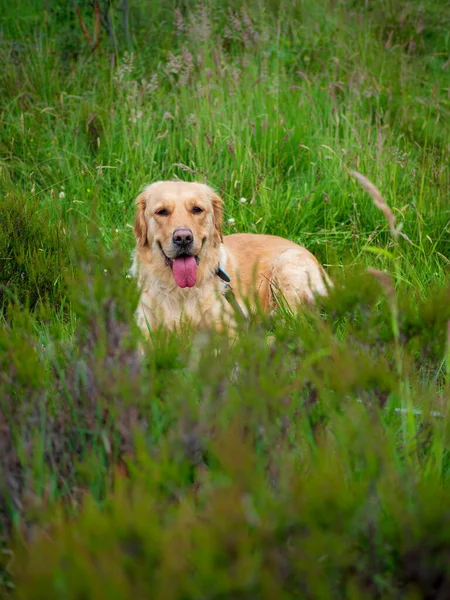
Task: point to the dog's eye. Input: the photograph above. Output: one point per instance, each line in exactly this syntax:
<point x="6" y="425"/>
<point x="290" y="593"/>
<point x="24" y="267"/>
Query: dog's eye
<point x="197" y="210"/>
<point x="162" y="212"/>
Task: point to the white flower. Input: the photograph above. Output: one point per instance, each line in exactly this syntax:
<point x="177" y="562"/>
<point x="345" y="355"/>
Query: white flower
<point x="117" y="231"/>
<point x="62" y="195"/>
<point x="231" y="221"/>
<point x="243" y="200"/>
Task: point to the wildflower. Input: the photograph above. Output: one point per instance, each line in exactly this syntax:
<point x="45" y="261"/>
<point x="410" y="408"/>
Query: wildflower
<point x="231" y="221"/>
<point x="125" y="68"/>
<point x="135" y="115"/>
<point x="188" y="64"/>
<point x="235" y="21"/>
<point x="248" y="28"/>
<point x="62" y="195"/>
<point x="174" y="64"/>
<point x="236" y="74"/>
<point x="152" y="86"/>
<point x="243" y="200"/>
<point x="179" y="23"/>
<point x="200" y="24"/>
<point x="191" y="120"/>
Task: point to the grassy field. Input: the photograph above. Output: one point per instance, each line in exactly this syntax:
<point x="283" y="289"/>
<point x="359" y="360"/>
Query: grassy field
<point x="320" y="468"/>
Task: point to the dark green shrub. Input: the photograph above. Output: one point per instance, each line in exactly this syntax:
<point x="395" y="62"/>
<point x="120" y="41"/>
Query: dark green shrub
<point x="34" y="254"/>
<point x="290" y="475"/>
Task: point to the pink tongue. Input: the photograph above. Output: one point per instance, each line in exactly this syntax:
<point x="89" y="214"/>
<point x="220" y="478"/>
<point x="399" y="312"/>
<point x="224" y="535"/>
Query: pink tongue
<point x="185" y="271"/>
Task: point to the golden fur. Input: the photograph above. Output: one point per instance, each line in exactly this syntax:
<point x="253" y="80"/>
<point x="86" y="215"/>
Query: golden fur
<point x="258" y="265"/>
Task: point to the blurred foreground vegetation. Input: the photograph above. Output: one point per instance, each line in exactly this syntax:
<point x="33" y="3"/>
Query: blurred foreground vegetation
<point x="311" y="458"/>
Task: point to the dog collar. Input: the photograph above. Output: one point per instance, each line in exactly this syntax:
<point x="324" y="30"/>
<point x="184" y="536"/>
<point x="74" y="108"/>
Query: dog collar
<point x="222" y="274"/>
<point x="229" y="293"/>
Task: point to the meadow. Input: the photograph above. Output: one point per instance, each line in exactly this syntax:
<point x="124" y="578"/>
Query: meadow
<point x="320" y="468"/>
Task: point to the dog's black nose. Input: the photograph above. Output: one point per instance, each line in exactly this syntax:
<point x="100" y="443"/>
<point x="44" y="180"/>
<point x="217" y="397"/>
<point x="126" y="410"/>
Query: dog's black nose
<point x="182" y="237"/>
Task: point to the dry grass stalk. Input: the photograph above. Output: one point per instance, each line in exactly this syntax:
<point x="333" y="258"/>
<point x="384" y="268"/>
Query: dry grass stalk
<point x="378" y="200"/>
<point x="385" y="282"/>
<point x="97" y="26"/>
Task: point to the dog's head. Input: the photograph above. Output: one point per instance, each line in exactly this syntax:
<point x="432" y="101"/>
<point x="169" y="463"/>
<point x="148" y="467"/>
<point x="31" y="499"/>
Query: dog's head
<point x="178" y="223"/>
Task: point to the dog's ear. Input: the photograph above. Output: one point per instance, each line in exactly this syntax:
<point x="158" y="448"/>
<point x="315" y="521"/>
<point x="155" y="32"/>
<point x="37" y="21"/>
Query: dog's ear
<point x="217" y="205"/>
<point x="140" y="223"/>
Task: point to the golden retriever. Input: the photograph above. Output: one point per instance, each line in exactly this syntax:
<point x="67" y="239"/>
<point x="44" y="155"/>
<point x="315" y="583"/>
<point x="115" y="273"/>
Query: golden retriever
<point x="182" y="261"/>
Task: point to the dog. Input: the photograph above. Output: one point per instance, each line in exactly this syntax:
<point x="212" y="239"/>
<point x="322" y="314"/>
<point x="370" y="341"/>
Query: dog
<point x="185" y="267"/>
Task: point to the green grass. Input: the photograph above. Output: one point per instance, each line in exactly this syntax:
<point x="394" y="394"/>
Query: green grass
<point x="316" y="466"/>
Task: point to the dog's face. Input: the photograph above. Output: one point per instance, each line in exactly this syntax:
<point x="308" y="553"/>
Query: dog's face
<point x="178" y="223"/>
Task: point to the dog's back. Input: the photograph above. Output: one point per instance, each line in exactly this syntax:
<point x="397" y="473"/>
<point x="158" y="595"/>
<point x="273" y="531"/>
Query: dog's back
<point x="269" y="264"/>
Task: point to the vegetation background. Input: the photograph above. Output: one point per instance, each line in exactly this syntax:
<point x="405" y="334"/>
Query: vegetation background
<point x="319" y="468"/>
